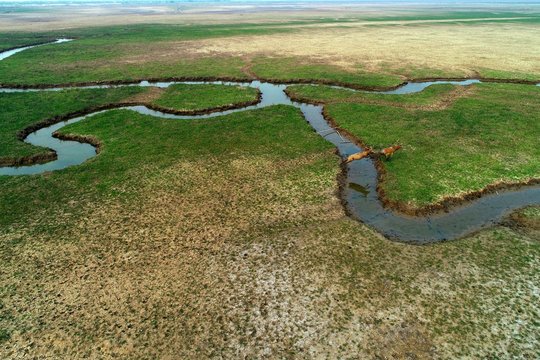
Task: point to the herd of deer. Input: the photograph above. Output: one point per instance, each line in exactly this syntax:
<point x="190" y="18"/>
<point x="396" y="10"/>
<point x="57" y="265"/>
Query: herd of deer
<point x="387" y="152"/>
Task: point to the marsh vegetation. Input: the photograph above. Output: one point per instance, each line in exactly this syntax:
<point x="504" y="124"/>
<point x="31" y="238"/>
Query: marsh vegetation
<point x="226" y="238"/>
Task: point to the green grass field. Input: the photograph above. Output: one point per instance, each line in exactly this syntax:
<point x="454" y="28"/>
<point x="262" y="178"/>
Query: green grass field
<point x="462" y="15"/>
<point x="140" y="146"/>
<point x="99" y="36"/>
<point x="88" y="58"/>
<point x="84" y="61"/>
<point x="226" y="238"/>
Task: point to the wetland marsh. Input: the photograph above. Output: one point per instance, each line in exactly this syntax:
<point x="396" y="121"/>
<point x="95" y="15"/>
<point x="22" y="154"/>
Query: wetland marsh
<point x="215" y="219"/>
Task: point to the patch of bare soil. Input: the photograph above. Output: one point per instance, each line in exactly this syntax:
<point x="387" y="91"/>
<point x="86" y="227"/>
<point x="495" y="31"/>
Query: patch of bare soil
<point x="405" y="340"/>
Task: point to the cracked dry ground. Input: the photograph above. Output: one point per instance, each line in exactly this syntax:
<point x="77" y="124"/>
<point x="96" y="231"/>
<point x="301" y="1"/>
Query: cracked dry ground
<point x="255" y="258"/>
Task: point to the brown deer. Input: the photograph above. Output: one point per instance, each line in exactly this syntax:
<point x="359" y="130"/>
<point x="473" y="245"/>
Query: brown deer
<point x="389" y="151"/>
<point x="359" y="155"/>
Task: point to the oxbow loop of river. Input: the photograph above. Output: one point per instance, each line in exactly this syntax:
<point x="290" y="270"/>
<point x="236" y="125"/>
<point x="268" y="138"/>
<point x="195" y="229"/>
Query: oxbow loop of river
<point x="360" y="194"/>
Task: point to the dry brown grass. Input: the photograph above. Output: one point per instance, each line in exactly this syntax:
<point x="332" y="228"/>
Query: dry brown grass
<point x="409" y="51"/>
<point x="237" y="259"/>
<point x="459" y="49"/>
<point x="147" y="97"/>
<point x="423" y="50"/>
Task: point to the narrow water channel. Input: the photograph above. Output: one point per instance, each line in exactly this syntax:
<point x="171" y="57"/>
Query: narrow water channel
<point x="8" y="53"/>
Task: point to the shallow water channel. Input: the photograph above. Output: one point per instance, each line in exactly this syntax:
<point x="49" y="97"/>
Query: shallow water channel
<point x="8" y="53"/>
<point x="360" y="194"/>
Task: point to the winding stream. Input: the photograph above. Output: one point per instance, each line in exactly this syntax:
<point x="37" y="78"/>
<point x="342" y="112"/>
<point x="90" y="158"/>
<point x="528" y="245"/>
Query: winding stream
<point x="8" y="53"/>
<point x="361" y="196"/>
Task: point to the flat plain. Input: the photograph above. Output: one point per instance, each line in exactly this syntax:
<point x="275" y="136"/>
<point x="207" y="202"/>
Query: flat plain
<point x="226" y="237"/>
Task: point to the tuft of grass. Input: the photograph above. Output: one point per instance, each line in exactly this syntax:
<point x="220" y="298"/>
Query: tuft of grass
<point x="5" y="335"/>
<point x="532" y="212"/>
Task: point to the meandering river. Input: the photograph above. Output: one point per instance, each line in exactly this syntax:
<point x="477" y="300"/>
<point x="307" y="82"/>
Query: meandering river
<point x="360" y="194"/>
